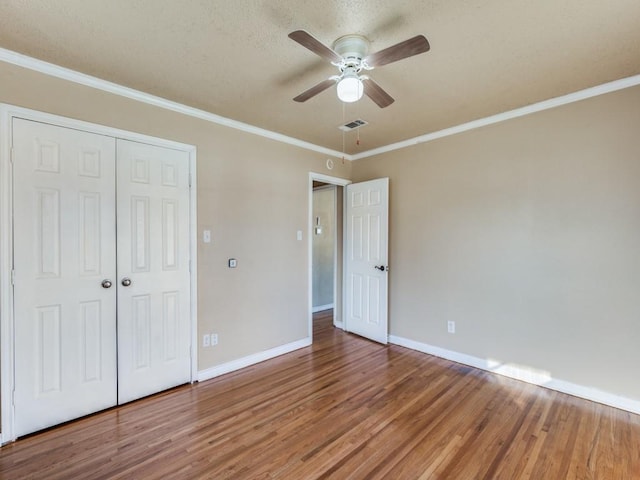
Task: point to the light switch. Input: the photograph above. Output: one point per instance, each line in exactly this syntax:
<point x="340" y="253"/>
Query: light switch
<point x="233" y="263"/>
<point x="299" y="235"/>
<point x="206" y="236"/>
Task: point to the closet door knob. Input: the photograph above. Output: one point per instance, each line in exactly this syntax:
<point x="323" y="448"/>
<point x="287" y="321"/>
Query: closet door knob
<point x="126" y="282"/>
<point x="106" y="283"/>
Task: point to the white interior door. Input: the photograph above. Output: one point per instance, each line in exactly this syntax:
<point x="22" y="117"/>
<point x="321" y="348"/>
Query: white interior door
<point x="154" y="335"/>
<point x="64" y="249"/>
<point x="366" y="255"/>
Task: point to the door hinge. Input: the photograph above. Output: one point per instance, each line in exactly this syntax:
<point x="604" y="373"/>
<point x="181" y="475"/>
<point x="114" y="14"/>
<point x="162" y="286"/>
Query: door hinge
<point x="189" y="179"/>
<point x="13" y="277"/>
<point x="12" y="152"/>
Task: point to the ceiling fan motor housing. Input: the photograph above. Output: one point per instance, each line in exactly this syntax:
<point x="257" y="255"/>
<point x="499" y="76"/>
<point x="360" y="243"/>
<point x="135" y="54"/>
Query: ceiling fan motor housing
<point x="353" y="49"/>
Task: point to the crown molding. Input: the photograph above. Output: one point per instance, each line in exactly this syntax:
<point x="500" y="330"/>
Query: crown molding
<point x="511" y="114"/>
<point x="30" y="63"/>
<point x="50" y="69"/>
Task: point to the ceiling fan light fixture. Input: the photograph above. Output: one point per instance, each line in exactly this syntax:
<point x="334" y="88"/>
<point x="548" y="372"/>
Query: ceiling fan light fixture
<point x="350" y="88"/>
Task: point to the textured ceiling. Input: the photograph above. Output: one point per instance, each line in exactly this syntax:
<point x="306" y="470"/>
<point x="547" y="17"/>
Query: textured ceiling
<point x="233" y="58"/>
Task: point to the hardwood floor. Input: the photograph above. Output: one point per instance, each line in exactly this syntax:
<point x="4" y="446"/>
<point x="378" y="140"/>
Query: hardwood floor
<point x="345" y="408"/>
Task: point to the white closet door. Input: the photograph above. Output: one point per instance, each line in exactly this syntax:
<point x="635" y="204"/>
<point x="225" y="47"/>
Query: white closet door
<point x="153" y="269"/>
<point x="64" y="249"/>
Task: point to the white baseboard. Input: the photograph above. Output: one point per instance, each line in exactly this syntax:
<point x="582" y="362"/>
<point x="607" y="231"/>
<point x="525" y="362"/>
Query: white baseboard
<point x="540" y="378"/>
<point x="320" y="308"/>
<point x="251" y="359"/>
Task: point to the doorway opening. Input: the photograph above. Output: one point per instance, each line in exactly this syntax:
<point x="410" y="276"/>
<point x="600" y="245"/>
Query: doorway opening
<point x="324" y="235"/>
<point x="325" y="247"/>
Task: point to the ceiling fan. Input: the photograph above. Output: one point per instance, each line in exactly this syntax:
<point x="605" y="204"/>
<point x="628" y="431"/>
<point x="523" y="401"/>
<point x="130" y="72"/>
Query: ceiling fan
<point x="350" y="54"/>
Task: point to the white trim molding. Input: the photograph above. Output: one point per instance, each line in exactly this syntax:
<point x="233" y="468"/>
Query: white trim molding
<point x="6" y="267"/>
<point x="249" y="360"/>
<point x="511" y="114"/>
<point x="193" y="257"/>
<point x="40" y="66"/>
<point x="524" y="374"/>
<point x="320" y="308"/>
<point x="46" y="68"/>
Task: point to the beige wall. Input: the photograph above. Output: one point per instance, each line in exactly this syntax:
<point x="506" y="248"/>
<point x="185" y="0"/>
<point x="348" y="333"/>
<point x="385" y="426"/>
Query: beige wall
<point x="252" y="194"/>
<point x="527" y="235"/>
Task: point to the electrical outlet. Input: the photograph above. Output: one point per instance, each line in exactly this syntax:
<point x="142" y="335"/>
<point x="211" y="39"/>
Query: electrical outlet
<point x="214" y="339"/>
<point x="206" y="340"/>
<point x="451" y="326"/>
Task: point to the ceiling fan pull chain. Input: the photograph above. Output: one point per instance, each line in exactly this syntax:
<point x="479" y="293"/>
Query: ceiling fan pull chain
<point x="343" y="132"/>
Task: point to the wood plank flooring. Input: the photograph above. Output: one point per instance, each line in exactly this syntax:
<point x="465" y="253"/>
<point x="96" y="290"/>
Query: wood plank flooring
<point x="345" y="408"/>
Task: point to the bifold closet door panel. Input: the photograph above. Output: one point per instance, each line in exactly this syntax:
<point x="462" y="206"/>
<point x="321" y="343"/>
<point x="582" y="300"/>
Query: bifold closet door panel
<point x="65" y="259"/>
<point x="154" y="335"/>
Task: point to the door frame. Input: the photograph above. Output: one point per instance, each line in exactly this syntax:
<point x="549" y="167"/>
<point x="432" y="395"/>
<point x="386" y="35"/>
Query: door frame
<point x="339" y="182"/>
<point x="7" y="353"/>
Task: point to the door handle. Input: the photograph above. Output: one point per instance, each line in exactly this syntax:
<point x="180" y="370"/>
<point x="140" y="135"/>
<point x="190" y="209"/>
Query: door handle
<point x="126" y="282"/>
<point x="106" y="283"/>
<point x="382" y="268"/>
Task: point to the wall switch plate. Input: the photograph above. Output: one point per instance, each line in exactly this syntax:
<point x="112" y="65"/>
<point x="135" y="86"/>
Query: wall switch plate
<point x="206" y="340"/>
<point x="451" y="327"/>
<point x="206" y="236"/>
<point x="233" y="263"/>
<point x="214" y="339"/>
<point x="299" y="235"/>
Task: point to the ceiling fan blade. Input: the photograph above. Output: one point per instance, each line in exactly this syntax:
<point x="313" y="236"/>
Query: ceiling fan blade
<point x="376" y="93"/>
<point x="306" y="40"/>
<point x="315" y="90"/>
<point x="408" y="48"/>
